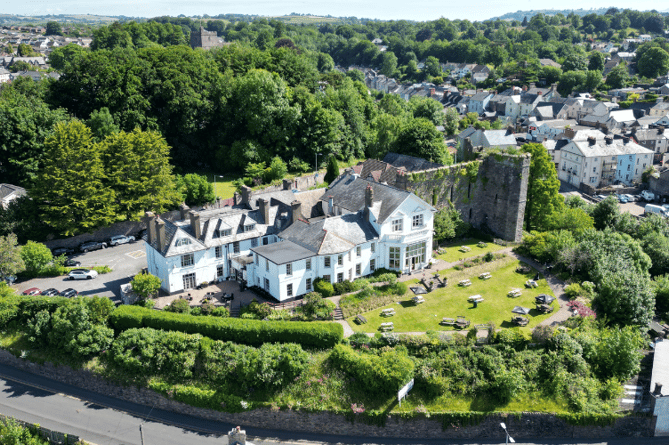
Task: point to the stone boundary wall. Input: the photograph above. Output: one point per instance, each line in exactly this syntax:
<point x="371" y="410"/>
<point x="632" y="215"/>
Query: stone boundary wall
<point x="491" y="198"/>
<point x="54" y="437"/>
<point x="525" y="425"/>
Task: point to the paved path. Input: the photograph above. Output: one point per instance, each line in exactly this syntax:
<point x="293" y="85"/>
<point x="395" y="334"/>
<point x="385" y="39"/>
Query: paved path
<point x="557" y="287"/>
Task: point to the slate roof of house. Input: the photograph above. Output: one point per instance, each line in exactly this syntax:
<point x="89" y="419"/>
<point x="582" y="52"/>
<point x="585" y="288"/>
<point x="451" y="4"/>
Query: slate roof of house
<point x="10" y="191"/>
<point x="528" y="98"/>
<point x="559" y="123"/>
<point x="480" y="96"/>
<point x="311" y="202"/>
<point x="549" y="62"/>
<point x="661" y="106"/>
<point x="651" y="134"/>
<point x="380" y="171"/>
<point x="349" y="193"/>
<point x="332" y="235"/>
<point x="648" y="120"/>
<point x="498" y="138"/>
<point x="283" y="252"/>
<point x="409" y="163"/>
<point x="616" y="148"/>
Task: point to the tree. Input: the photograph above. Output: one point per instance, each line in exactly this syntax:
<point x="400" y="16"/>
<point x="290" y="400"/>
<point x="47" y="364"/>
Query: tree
<point x="11" y="261"/>
<point x="35" y="256"/>
<point x="427" y="108"/>
<point x="53" y="29"/>
<point x="618" y="77"/>
<point x="570" y="81"/>
<point x="138" y="171"/>
<point x="653" y="63"/>
<point x="448" y="224"/>
<point x="73" y="331"/>
<point x="102" y="124"/>
<point x="575" y="62"/>
<point x="388" y="63"/>
<point x="618" y="353"/>
<point x="145" y="285"/>
<point x="420" y="138"/>
<point x="625" y="296"/>
<point x="596" y="61"/>
<point x="332" y="170"/>
<point x="25" y="50"/>
<point x="196" y="189"/>
<point x="432" y="67"/>
<point x="592" y="80"/>
<point x="605" y="213"/>
<point x="543" y="197"/>
<point x="277" y="170"/>
<point x="661" y="288"/>
<point x="70" y="189"/>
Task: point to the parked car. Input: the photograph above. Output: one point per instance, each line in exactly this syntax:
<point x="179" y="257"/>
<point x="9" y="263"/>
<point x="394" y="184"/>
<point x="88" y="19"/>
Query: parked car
<point x="652" y="208"/>
<point x="600" y="197"/>
<point x="631" y="198"/>
<point x="69" y="293"/>
<point x="62" y="251"/>
<point x="648" y="196"/>
<point x="50" y="292"/>
<point x="9" y="279"/>
<point x="82" y="274"/>
<point x="92" y="245"/>
<point x="121" y="239"/>
<point x="31" y="291"/>
<point x="622" y="199"/>
<point x="71" y="263"/>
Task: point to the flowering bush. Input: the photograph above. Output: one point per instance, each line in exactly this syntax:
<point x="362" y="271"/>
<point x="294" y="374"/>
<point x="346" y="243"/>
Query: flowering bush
<point x="580" y="309"/>
<point x="357" y="409"/>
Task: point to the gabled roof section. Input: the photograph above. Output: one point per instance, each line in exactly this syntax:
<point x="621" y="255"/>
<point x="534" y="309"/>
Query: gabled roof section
<point x="349" y="193"/>
<point x="410" y="163"/>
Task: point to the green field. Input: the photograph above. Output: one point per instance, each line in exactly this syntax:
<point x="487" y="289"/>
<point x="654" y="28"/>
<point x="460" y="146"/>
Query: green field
<point x="453" y="254"/>
<point x="451" y="301"/>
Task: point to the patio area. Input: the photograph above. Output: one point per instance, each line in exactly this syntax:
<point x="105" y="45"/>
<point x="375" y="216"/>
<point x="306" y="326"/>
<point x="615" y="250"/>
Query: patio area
<point x="219" y="290"/>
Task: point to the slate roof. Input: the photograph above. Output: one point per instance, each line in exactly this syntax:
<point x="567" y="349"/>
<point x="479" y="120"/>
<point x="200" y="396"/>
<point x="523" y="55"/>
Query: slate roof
<point x="349" y="193"/>
<point x="283" y="252"/>
<point x="528" y="98"/>
<point x="333" y="235"/>
<point x="616" y="148"/>
<point x="410" y="163"/>
<point x="380" y="171"/>
<point x="311" y="202"/>
<point x="8" y="191"/>
<point x="496" y="138"/>
<point x="660" y="372"/>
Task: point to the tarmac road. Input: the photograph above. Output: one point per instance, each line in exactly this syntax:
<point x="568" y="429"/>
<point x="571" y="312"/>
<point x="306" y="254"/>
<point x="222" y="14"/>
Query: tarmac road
<point x="104" y="420"/>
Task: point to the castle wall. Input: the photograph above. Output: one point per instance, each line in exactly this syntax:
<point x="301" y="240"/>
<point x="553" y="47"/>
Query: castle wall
<point x="490" y="193"/>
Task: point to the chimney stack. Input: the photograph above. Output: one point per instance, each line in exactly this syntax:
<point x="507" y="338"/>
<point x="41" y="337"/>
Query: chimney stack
<point x="658" y="389"/>
<point x="591" y="140"/>
<point x="287" y="184"/>
<point x="263" y="204"/>
<point x="626" y="139"/>
<point x="183" y="211"/>
<point x="369" y="202"/>
<point x="195" y="223"/>
<point x="569" y="133"/>
<point x="160" y="234"/>
<point x="246" y="195"/>
<point x="432" y="91"/>
<point x="609" y="140"/>
<point x="532" y="85"/>
<point x="295" y="211"/>
<point x="149" y="218"/>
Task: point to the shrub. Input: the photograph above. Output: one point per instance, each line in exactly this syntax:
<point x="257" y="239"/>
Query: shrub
<point x="324" y="288"/>
<point x="344" y="287"/>
<point x="252" y="332"/>
<point x="573" y="291"/>
<point x="179" y="306"/>
<point x="488" y="257"/>
<point x="220" y="312"/>
<point x="314" y="304"/>
<point x="542" y="333"/>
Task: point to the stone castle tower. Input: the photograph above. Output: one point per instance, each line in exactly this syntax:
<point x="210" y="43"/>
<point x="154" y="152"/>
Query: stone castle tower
<point x="204" y="39"/>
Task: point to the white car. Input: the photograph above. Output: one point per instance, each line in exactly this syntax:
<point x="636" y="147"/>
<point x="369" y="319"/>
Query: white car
<point x="121" y="239"/>
<point x="82" y="274"/>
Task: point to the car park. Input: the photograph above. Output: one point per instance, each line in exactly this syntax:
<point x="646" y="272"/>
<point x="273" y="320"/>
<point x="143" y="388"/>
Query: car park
<point x="82" y="274"/>
<point x="69" y="293"/>
<point x="62" y="251"/>
<point x="71" y="263"/>
<point x="121" y="239"/>
<point x="31" y="291"/>
<point x="92" y="245"/>
<point x="50" y="292"/>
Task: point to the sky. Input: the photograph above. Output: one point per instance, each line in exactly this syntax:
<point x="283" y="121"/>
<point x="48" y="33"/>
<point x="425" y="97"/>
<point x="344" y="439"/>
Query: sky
<point x="419" y="10"/>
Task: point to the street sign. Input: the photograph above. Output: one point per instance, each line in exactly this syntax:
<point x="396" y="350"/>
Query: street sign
<point x="402" y="393"/>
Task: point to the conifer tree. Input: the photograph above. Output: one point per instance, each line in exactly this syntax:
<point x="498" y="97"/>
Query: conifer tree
<point x="333" y="170"/>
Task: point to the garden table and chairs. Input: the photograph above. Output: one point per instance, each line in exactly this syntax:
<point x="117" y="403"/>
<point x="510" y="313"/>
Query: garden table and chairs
<point x="544" y="299"/>
<point x="520" y="320"/>
<point x="462" y="322"/>
<point x="515" y="293"/>
<point x="544" y="308"/>
<point x="418" y="299"/>
<point x="531" y="284"/>
<point x="388" y="312"/>
<point x="448" y="321"/>
<point x="465" y="283"/>
<point x="387" y="326"/>
<point x="485" y="276"/>
<point x="465" y="249"/>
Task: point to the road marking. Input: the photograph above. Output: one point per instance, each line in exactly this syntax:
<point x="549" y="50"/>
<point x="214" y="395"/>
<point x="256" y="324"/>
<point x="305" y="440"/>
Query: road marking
<point x="137" y="254"/>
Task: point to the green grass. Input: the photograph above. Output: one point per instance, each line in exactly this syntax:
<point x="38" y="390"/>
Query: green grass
<point x="452" y="301"/>
<point x="453" y="254"/>
<point x="223" y="187"/>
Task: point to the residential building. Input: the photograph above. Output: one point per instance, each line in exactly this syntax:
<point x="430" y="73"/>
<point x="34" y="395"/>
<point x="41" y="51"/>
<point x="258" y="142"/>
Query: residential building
<point x="550" y="129"/>
<point x="9" y="193"/>
<point x="488" y="138"/>
<point x="655" y="139"/>
<point x="659" y="109"/>
<point x="479" y="102"/>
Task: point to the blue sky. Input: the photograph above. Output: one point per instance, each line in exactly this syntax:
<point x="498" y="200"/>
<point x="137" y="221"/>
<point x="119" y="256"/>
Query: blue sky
<point x="382" y="9"/>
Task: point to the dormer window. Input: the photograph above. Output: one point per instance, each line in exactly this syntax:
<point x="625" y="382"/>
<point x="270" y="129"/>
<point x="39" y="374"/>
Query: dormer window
<point x="182" y="242"/>
<point x="249" y="227"/>
<point x="221" y="233"/>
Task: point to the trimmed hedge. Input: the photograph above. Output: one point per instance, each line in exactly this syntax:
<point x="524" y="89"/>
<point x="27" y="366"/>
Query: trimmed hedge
<point x="250" y="332"/>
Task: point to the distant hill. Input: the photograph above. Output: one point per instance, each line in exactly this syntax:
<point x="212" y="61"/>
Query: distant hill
<point x="519" y="15"/>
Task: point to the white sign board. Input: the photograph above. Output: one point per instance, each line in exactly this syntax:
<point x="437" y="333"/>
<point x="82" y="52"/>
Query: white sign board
<point x="402" y="393"/>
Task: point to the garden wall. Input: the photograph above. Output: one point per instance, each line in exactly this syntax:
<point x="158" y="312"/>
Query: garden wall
<point x="526" y="425"/>
<point x="490" y="194"/>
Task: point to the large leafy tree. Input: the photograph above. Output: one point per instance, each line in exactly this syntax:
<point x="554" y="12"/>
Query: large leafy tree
<point x="11" y="262"/>
<point x="195" y="189"/>
<point x="420" y="138"/>
<point x="137" y="170"/>
<point x="653" y="63"/>
<point x="70" y="190"/>
<point x="35" y="256"/>
<point x="543" y="197"/>
<point x="145" y="285"/>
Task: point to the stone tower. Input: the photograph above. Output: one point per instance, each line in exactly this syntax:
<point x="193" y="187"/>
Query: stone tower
<point x="204" y="39"/>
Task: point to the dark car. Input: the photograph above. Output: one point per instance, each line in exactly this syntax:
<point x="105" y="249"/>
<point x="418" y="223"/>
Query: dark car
<point x="72" y="263"/>
<point x="69" y="292"/>
<point x="50" y="292"/>
<point x="92" y="245"/>
<point x="62" y="251"/>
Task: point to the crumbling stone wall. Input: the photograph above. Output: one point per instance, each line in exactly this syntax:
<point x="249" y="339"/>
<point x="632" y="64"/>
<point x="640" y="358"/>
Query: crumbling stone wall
<point x="489" y="193"/>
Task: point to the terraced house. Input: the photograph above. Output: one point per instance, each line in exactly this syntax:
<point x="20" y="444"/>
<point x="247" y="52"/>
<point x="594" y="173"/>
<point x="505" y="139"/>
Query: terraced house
<point x="283" y="241"/>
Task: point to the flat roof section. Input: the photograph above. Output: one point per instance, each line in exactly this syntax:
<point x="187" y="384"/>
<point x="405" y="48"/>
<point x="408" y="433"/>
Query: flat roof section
<point x="283" y="252"/>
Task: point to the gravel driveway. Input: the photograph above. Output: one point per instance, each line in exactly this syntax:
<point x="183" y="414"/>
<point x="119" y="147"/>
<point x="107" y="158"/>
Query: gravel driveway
<point x="125" y="260"/>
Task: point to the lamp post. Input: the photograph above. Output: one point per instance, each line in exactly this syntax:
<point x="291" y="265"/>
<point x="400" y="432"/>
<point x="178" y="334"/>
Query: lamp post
<point x="509" y="439"/>
<point x="220" y="176"/>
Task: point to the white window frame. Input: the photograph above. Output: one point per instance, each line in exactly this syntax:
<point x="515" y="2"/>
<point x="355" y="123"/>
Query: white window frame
<point x="308" y="264"/>
<point x="397" y="225"/>
<point x="417" y="221"/>
<point x="187" y="260"/>
<point x="218" y="251"/>
<point x="289" y="269"/>
<point x="289" y="289"/>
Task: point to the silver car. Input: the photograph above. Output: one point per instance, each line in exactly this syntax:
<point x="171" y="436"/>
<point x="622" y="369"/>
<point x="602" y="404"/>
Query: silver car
<point x="82" y="274"/>
<point x="121" y="239"/>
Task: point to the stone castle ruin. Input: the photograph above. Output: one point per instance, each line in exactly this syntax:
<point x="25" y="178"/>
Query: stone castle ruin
<point x="490" y="192"/>
<point x="205" y="39"/>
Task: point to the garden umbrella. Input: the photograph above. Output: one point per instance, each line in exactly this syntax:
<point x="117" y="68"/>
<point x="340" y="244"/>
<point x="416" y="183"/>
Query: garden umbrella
<point x="521" y="310"/>
<point x="545" y="299"/>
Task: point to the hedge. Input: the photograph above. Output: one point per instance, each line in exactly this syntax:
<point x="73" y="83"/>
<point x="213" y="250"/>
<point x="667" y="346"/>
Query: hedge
<point x="250" y="332"/>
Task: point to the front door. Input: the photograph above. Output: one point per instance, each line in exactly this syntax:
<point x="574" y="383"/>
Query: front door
<point x="189" y="281"/>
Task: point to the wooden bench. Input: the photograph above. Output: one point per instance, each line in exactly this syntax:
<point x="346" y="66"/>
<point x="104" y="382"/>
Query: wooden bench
<point x="465" y="249"/>
<point x="515" y="293"/>
<point x="485" y="276"/>
<point x="360" y="319"/>
<point x="418" y="299"/>
<point x="531" y="284"/>
<point x="448" y="321"/>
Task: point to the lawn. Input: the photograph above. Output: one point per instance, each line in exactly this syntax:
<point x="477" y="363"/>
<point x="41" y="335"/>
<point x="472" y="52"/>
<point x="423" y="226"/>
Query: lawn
<point x="223" y="187"/>
<point x="451" y="301"/>
<point x="453" y="254"/>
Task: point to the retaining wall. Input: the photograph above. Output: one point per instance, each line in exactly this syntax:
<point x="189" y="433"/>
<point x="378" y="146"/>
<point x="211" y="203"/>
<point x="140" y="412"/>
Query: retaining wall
<point x="525" y="425"/>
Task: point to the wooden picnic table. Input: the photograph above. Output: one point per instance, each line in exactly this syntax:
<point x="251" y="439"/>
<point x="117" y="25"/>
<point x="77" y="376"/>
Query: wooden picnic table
<point x="485" y="276"/>
<point x="520" y="320"/>
<point x="448" y="321"/>
<point x="387" y="326"/>
<point x="465" y="283"/>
